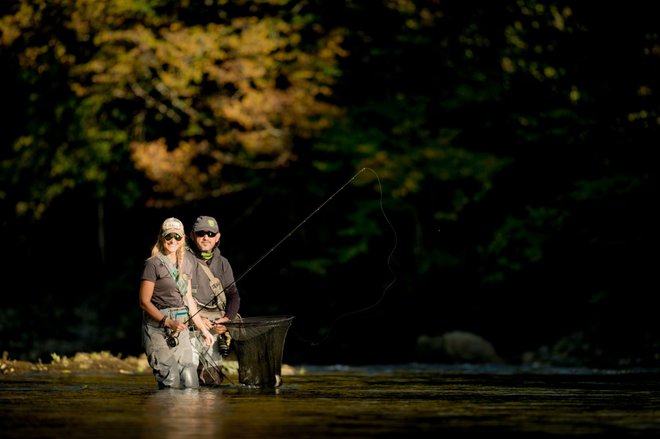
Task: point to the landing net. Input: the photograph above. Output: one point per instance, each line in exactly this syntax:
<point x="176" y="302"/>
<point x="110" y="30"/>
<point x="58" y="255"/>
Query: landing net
<point x="259" y="345"/>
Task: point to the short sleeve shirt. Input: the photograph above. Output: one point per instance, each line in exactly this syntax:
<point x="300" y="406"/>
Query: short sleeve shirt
<point x="166" y="292"/>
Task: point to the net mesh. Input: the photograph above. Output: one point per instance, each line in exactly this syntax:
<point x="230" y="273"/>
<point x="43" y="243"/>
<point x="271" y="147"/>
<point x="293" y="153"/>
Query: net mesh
<point x="259" y="345"/>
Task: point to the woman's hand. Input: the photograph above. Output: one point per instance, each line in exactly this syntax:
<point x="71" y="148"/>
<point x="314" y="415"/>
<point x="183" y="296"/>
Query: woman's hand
<point x="208" y="324"/>
<point x="175" y="325"/>
<point x="208" y="338"/>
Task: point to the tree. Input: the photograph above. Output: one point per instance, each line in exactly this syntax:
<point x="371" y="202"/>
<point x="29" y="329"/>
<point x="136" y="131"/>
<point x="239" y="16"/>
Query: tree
<point x="196" y="101"/>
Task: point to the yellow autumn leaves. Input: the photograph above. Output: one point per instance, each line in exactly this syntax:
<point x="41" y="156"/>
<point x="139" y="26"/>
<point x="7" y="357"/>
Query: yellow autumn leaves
<point x="189" y="98"/>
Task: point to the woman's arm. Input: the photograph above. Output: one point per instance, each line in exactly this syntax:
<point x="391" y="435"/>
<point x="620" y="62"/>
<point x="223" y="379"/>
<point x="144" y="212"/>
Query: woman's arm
<point x="146" y="293"/>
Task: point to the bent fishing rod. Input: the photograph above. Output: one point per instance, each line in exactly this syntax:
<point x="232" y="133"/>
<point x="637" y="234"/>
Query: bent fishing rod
<point x="280" y="242"/>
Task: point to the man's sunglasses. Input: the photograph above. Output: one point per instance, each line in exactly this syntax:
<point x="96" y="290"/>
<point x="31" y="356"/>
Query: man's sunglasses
<point x="201" y="233"/>
<point x="173" y="235"/>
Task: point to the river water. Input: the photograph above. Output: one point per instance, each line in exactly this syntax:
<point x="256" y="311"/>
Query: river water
<point x="411" y="400"/>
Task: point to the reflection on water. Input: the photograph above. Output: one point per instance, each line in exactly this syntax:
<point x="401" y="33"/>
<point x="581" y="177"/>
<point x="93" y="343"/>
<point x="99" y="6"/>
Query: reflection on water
<point x="410" y="400"/>
<point x="176" y="413"/>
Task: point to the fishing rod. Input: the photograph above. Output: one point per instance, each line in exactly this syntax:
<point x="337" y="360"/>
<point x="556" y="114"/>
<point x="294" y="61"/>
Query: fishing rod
<point x="280" y="241"/>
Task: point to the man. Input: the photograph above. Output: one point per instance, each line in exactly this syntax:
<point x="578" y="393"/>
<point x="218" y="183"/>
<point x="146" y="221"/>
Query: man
<point x="214" y="290"/>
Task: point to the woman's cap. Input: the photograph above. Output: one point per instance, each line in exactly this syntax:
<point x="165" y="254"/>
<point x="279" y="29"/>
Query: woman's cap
<point x="205" y="223"/>
<point x="172" y="225"/>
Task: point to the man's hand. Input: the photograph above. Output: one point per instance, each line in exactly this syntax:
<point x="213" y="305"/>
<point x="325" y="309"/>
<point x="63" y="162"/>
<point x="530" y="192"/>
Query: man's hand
<point x="218" y="327"/>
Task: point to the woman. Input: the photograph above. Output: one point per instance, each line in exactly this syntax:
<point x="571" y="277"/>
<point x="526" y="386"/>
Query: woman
<point x="167" y="304"/>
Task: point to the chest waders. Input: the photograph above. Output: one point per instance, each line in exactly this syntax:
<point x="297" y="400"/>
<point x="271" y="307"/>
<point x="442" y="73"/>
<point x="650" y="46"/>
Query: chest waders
<point x="211" y="357"/>
<point x="187" y="376"/>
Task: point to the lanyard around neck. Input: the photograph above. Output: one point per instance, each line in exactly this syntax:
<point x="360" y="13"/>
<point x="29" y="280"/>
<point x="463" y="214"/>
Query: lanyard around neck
<point x="181" y="281"/>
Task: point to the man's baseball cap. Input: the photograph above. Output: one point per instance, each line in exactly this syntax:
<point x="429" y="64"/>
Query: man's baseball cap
<point x="205" y="223"/>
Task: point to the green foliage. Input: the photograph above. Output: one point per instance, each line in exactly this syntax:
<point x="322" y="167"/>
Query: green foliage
<point x="520" y="242"/>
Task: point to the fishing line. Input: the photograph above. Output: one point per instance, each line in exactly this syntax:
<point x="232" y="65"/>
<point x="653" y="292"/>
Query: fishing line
<point x="389" y="267"/>
<point x="208" y="362"/>
<point x="282" y="240"/>
<point x="380" y="187"/>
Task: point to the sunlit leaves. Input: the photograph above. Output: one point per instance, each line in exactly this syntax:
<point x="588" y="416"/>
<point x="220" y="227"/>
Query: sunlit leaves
<point x="222" y="91"/>
<point x="530" y="51"/>
<point x="245" y="90"/>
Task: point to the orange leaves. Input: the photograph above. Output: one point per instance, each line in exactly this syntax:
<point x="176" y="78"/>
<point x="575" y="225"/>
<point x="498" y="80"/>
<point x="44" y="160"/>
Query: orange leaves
<point x="266" y="91"/>
<point x="12" y="26"/>
<point x="223" y="90"/>
<point x="176" y="171"/>
<point x="171" y="170"/>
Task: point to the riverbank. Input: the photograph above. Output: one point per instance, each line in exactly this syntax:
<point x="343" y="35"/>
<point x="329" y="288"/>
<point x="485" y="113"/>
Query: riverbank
<point x="97" y="362"/>
<point x="101" y="363"/>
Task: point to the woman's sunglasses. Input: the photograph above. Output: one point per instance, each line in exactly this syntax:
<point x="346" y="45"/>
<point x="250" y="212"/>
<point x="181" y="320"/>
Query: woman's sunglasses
<point x="172" y="235"/>
<point x="201" y="233"/>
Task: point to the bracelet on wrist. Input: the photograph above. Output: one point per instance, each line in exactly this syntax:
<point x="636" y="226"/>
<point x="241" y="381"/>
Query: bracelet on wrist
<point x="162" y="322"/>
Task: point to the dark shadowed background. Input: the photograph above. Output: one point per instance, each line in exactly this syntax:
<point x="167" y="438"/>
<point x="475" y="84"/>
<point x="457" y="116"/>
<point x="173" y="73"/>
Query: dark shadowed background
<point x="509" y="187"/>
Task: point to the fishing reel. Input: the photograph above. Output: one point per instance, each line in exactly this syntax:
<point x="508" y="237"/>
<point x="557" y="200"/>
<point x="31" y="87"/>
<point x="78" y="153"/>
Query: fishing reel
<point x="223" y="347"/>
<point x="171" y="340"/>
